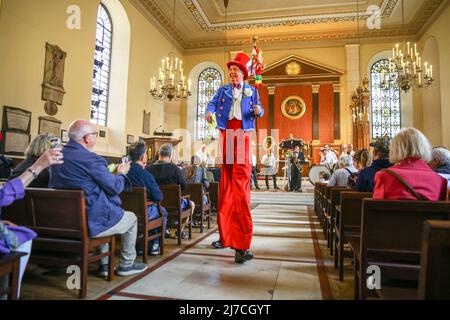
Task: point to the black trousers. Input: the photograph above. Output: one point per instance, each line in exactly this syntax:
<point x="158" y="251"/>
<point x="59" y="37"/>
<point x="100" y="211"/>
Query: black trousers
<point x="296" y="179"/>
<point x="254" y="177"/>
<point x="274" y="178"/>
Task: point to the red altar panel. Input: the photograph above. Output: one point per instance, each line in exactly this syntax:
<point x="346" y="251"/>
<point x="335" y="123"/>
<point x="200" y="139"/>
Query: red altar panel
<point x="301" y="128"/>
<point x="326" y="113"/>
<point x="263" y="123"/>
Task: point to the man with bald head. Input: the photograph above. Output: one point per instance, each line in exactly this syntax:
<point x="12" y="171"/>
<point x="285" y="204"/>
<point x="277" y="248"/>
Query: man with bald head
<point x="85" y="170"/>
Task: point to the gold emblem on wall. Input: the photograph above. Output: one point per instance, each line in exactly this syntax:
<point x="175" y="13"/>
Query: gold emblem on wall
<point x="293" y="68"/>
<point x="293" y="107"/>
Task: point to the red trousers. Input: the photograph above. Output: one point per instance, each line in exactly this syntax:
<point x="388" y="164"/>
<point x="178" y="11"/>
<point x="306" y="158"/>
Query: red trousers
<point x="235" y="220"/>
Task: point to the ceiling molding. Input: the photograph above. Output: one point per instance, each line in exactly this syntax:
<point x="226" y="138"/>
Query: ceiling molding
<point x="387" y="7"/>
<point x="200" y="34"/>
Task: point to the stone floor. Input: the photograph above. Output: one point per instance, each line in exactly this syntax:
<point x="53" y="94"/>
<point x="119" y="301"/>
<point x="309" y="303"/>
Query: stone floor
<point x="291" y="262"/>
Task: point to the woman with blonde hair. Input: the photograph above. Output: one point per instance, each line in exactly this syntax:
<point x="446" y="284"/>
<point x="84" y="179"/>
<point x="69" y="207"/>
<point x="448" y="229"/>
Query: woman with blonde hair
<point x="37" y="147"/>
<point x="361" y="160"/>
<point x="410" y="178"/>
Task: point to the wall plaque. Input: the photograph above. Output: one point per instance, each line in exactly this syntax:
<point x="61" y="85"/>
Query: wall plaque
<point x="15" y="143"/>
<point x="146" y="124"/>
<point x="50" y="125"/>
<point x="16" y="119"/>
<point x="53" y="84"/>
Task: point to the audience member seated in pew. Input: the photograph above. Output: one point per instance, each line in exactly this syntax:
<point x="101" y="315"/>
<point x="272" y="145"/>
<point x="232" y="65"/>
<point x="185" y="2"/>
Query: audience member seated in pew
<point x="12" y="237"/>
<point x="324" y="177"/>
<point x="340" y="176"/>
<point x="196" y="173"/>
<point x="85" y="170"/>
<point x="361" y="160"/>
<point x="440" y="163"/>
<point x="410" y="178"/>
<point x="166" y="172"/>
<point x="37" y="147"/>
<point x="140" y="177"/>
<point x="380" y="160"/>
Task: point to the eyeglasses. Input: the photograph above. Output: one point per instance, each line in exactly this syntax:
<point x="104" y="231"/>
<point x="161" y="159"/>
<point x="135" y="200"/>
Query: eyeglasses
<point x="92" y="133"/>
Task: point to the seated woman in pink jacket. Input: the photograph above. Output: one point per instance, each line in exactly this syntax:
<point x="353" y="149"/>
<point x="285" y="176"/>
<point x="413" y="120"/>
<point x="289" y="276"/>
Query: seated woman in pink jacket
<point x="410" y="178"/>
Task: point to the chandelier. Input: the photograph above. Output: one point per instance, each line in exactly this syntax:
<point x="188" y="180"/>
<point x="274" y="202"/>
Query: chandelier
<point x="405" y="68"/>
<point x="171" y="83"/>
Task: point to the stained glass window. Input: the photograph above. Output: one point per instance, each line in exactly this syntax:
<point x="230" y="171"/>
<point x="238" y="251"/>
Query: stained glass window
<point x="385" y="102"/>
<point x="209" y="82"/>
<point x="102" y="66"/>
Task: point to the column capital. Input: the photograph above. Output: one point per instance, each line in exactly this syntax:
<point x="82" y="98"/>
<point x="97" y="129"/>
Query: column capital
<point x="315" y="88"/>
<point x="337" y="87"/>
<point x="271" y="90"/>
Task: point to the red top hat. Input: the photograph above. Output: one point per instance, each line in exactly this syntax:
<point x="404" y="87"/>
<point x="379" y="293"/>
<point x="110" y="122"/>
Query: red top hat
<point x="241" y="61"/>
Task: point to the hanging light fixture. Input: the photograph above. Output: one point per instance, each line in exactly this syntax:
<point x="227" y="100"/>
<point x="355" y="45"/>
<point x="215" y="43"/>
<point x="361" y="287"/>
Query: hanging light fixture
<point x="171" y="83"/>
<point x="405" y="66"/>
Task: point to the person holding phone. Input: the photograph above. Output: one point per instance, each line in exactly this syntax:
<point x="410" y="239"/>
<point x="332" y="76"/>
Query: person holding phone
<point x="37" y="147"/>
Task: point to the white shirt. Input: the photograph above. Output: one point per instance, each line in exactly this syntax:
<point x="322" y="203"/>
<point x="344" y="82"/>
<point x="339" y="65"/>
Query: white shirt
<point x="270" y="163"/>
<point x="330" y="159"/>
<point x="236" y="111"/>
<point x="254" y="163"/>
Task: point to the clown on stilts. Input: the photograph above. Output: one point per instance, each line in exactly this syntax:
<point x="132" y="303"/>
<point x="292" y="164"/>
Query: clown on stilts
<point x="236" y="107"/>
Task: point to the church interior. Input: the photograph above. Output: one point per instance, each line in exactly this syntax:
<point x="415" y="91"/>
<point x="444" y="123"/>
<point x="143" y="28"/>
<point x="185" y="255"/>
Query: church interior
<point x="335" y="78"/>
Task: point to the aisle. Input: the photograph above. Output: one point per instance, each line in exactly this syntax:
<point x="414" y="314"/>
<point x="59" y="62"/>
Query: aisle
<point x="288" y="261"/>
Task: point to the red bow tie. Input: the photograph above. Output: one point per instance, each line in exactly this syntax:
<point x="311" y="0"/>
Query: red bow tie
<point x="237" y="86"/>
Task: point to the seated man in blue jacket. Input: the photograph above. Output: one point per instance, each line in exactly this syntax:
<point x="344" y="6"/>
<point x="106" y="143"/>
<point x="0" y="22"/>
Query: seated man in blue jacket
<point x="140" y="177"/>
<point x="85" y="170"/>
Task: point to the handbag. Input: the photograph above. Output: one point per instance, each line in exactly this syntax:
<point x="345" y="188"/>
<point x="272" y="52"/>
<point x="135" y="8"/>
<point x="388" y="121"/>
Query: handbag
<point x="405" y="184"/>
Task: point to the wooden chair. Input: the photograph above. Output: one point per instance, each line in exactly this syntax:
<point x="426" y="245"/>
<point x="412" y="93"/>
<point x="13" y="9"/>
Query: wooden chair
<point x="10" y="266"/>
<point x="333" y="201"/>
<point x="60" y="220"/>
<point x="434" y="278"/>
<point x="195" y="190"/>
<point x="137" y="203"/>
<point x="214" y="196"/>
<point x="347" y="226"/>
<point x="391" y="234"/>
<point x="172" y="203"/>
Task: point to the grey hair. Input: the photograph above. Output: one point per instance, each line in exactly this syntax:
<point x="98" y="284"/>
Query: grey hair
<point x="346" y="161"/>
<point x="409" y="143"/>
<point x="78" y="129"/>
<point x="441" y="154"/>
<point x="166" y="150"/>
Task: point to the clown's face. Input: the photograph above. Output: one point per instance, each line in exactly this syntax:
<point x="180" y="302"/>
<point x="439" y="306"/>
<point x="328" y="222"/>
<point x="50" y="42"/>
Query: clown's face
<point x="236" y="75"/>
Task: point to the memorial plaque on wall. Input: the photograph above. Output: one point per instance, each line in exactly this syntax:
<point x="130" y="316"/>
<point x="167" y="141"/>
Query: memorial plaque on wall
<point x="16" y="119"/>
<point x="146" y="123"/>
<point x="16" y="126"/>
<point x="50" y="125"/>
<point x="15" y="143"/>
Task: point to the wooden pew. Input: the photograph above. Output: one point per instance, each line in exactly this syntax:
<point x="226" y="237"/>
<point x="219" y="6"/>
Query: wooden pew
<point x="59" y="218"/>
<point x="195" y="190"/>
<point x="333" y="201"/>
<point x="172" y="203"/>
<point x="10" y="266"/>
<point x="391" y="234"/>
<point x="434" y="278"/>
<point x="347" y="226"/>
<point x="327" y="212"/>
<point x="317" y="197"/>
<point x="214" y="196"/>
<point x="137" y="203"/>
<point x="322" y="203"/>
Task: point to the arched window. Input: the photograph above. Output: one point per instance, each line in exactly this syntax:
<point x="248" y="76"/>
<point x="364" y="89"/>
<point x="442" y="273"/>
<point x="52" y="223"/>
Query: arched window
<point x="385" y="102"/>
<point x="209" y="82"/>
<point x="102" y="67"/>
